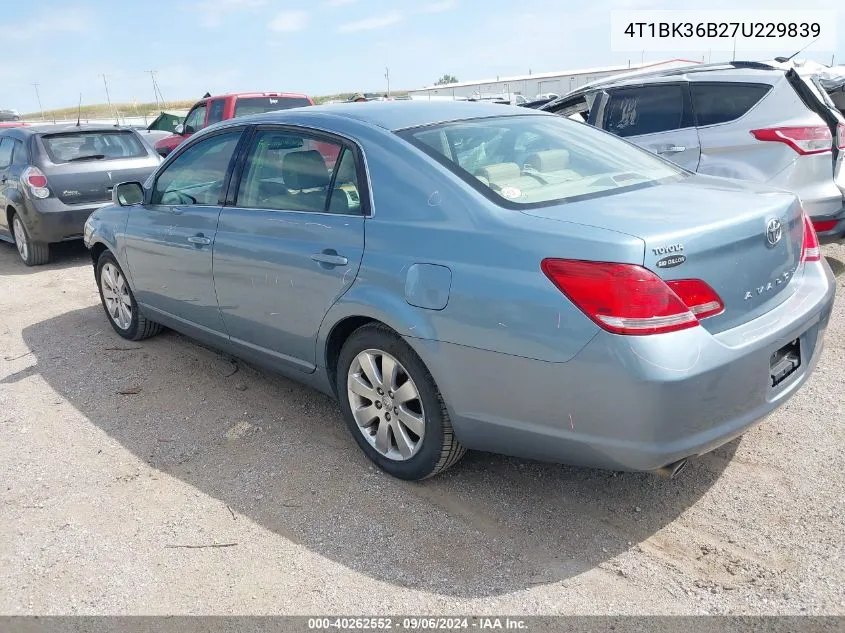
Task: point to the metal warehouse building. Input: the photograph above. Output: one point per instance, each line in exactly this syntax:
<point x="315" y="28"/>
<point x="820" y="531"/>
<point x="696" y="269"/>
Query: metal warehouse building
<point x="539" y="83"/>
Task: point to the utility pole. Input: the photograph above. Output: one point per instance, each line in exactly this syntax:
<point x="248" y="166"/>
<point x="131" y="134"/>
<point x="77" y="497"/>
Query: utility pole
<point x="387" y="77"/>
<point x="38" y="96"/>
<point x="159" y="97"/>
<point x="108" y="98"/>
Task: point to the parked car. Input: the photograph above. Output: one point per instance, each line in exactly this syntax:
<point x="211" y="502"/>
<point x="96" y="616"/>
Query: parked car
<point x="9" y="115"/>
<point x="53" y="176"/>
<point x="209" y="110"/>
<point x="528" y="285"/>
<point x="746" y="120"/>
<point x="546" y="95"/>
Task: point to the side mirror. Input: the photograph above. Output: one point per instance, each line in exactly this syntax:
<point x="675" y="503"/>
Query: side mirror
<point x="180" y="129"/>
<point x="127" y="194"/>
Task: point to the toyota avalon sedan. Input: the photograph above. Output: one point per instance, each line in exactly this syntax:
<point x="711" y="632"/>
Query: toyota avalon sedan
<point x="475" y="276"/>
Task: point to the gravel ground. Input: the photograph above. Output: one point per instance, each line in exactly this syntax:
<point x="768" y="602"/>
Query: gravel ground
<point x="116" y="455"/>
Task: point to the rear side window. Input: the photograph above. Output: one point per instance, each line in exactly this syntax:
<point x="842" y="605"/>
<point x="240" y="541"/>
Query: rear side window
<point x="720" y="103"/>
<point x="256" y="105"/>
<point x="6" y="147"/>
<point x="645" y="110"/>
<point x="215" y="111"/>
<point x="78" y="146"/>
<point x="20" y="156"/>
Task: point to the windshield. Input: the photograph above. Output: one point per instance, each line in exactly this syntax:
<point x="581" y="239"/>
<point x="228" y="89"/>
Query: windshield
<point x="245" y="106"/>
<point x="75" y="146"/>
<point x="537" y="160"/>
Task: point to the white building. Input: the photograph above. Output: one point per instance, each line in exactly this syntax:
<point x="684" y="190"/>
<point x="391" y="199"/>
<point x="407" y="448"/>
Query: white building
<point x="534" y="84"/>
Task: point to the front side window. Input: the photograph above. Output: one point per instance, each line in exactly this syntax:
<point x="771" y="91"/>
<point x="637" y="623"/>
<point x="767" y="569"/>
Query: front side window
<point x="291" y="171"/>
<point x="197" y="175"/>
<point x="720" y="103"/>
<point x="215" y="111"/>
<point x="539" y="160"/>
<point x="645" y="110"/>
<point x="195" y="120"/>
<point x="7" y="145"/>
<point x="83" y="146"/>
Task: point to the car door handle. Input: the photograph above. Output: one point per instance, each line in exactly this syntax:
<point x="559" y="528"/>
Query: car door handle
<point x="330" y="258"/>
<point x="671" y="149"/>
<point x="199" y="239"/>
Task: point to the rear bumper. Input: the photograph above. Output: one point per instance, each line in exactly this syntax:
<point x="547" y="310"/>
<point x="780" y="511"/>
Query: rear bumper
<point x="632" y="403"/>
<point x="50" y="220"/>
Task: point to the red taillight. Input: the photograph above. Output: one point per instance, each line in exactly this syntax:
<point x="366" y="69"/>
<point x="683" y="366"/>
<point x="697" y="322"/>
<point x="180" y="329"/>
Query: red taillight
<point x="629" y="299"/>
<point x="810" y="251"/>
<point x="811" y="139"/>
<point x="700" y="298"/>
<point x="36" y="180"/>
<point x="824" y="225"/>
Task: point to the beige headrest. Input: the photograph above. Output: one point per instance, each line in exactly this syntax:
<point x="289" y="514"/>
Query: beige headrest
<point x="499" y="172"/>
<point x="550" y="160"/>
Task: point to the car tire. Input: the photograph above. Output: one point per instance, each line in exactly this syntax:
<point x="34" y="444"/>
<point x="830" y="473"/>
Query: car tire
<point x="119" y="302"/>
<point x="32" y="253"/>
<point x="411" y="451"/>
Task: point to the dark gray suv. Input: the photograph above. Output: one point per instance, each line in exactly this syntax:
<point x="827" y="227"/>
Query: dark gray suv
<point x="53" y="177"/>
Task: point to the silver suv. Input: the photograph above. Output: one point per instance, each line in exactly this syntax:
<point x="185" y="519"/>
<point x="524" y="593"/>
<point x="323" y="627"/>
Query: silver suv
<point x="745" y="120"/>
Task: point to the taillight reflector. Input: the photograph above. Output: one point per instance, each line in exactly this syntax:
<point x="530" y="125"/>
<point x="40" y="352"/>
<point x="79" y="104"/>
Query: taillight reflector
<point x="630" y="299"/>
<point x="812" y="139"/>
<point x="810" y="251"/>
<point x="824" y="225"/>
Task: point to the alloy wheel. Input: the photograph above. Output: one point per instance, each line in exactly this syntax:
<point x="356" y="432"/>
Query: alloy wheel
<point x="386" y="404"/>
<point x="20" y="238"/>
<point x="116" y="296"/>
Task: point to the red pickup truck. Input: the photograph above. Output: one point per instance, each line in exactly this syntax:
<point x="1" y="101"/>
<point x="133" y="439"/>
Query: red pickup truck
<point x="214" y="109"/>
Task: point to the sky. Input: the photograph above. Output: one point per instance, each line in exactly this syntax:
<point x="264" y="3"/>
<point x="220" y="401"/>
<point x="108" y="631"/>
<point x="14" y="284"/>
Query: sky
<point x="313" y="46"/>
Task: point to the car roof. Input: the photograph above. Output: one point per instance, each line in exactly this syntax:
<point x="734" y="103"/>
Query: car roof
<point x="395" y="115"/>
<point x="728" y="71"/>
<point x="241" y="95"/>
<point x="26" y="131"/>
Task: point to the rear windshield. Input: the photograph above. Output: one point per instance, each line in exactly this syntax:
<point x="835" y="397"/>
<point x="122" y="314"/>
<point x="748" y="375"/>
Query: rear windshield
<point x="79" y="146"/>
<point x="245" y="106"/>
<point x="539" y="160"/>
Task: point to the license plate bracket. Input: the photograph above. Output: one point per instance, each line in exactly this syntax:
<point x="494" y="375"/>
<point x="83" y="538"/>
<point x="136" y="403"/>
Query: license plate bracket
<point x="784" y="362"/>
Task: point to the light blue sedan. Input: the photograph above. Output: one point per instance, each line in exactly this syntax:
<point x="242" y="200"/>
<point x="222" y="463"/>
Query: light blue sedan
<point x="475" y="276"/>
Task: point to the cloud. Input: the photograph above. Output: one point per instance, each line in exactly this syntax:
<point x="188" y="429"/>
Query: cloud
<point x="214" y="12"/>
<point x="371" y="23"/>
<point x="437" y="7"/>
<point x="289" y="21"/>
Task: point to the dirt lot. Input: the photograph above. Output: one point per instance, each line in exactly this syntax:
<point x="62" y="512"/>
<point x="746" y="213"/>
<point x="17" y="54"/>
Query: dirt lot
<point x="115" y="453"/>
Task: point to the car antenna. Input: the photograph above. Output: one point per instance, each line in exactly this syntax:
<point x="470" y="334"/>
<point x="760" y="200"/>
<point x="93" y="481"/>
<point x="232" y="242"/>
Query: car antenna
<point x="79" y="110"/>
<point x="783" y="60"/>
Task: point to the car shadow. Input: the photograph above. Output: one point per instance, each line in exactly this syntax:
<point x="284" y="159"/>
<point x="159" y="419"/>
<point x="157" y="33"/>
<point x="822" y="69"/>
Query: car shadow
<point x="837" y="266"/>
<point x="62" y="255"/>
<point x="279" y="454"/>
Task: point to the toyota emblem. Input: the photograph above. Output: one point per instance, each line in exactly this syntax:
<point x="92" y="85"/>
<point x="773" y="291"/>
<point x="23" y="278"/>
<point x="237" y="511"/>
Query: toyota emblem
<point x="774" y="231"/>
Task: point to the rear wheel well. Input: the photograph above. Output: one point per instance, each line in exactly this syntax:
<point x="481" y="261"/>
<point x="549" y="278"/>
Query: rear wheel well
<point x="97" y="250"/>
<point x="10" y="212"/>
<point x="338" y="336"/>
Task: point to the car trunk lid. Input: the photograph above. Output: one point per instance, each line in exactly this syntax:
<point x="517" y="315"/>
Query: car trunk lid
<point x="745" y="242"/>
<point x="75" y="184"/>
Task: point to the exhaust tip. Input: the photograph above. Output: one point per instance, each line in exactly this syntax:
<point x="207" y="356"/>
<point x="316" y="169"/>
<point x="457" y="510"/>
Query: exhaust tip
<point x="670" y="471"/>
